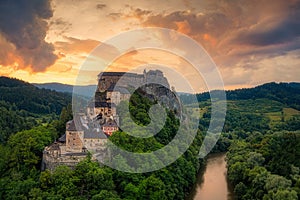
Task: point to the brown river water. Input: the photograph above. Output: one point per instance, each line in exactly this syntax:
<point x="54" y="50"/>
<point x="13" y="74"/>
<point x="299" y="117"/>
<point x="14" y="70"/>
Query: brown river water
<point x="212" y="181"/>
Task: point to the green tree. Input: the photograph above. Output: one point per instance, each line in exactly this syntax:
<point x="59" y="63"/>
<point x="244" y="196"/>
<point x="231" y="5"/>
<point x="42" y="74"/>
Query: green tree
<point x="255" y="159"/>
<point x="276" y="182"/>
<point x="151" y="188"/>
<point x="64" y="182"/>
<point x="27" y="146"/>
<point x="106" y="195"/>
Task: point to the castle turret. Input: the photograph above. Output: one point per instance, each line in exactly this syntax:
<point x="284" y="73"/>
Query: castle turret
<point x="74" y="137"/>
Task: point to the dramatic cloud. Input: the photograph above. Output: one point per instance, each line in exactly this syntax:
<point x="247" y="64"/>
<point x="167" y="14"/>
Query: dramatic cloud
<point x="233" y="28"/>
<point x="100" y="6"/>
<point x="6" y="55"/>
<point x="75" y="45"/>
<point x="251" y="42"/>
<point x="23" y="29"/>
<point x="270" y="32"/>
<point x="115" y="16"/>
<point x="60" y="26"/>
<point x="207" y="29"/>
<point x="137" y="13"/>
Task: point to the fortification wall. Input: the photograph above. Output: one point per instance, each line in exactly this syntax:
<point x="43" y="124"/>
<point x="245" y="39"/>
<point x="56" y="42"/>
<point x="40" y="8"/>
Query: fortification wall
<point x="50" y="162"/>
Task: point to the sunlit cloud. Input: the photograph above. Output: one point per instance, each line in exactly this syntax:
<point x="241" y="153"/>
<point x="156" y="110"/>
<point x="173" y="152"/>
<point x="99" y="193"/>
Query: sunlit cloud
<point x="53" y="42"/>
<point x="25" y="32"/>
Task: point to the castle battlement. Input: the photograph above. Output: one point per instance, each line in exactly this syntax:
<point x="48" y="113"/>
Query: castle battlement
<point x="124" y="79"/>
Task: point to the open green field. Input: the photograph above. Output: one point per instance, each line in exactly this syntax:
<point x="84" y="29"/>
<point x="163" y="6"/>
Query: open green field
<point x="273" y="110"/>
<point x="285" y="114"/>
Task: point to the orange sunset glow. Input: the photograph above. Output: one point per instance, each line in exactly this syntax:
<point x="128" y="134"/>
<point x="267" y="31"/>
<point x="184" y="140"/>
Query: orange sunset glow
<point x="251" y="42"/>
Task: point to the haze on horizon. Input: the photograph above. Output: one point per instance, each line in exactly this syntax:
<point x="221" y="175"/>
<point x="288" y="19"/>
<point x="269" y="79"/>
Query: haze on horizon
<point x="251" y="42"/>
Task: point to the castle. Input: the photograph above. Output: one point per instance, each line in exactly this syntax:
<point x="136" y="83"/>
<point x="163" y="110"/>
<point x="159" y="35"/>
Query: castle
<point x="109" y="79"/>
<point x="89" y="131"/>
<point x="82" y="134"/>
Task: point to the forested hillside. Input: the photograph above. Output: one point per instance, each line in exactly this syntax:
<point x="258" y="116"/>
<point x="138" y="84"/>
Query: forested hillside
<point x="24" y="106"/>
<point x="30" y="98"/>
<point x="20" y="164"/>
<point x="266" y="166"/>
<point x="84" y="90"/>
<point x="261" y="137"/>
<point x="286" y="93"/>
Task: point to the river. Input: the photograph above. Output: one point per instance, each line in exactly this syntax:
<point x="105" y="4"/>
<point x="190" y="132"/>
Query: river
<point x="211" y="180"/>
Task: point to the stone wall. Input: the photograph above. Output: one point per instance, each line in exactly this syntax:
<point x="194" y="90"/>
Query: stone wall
<point x="107" y="79"/>
<point x="50" y="162"/>
<point x="74" y="141"/>
<point x="95" y="144"/>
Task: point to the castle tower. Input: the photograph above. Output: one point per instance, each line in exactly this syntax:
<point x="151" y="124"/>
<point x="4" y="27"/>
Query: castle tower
<point x="74" y="137"/>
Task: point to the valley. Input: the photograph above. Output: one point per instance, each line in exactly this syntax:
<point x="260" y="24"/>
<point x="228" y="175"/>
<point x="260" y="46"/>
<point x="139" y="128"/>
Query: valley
<point x="260" y="139"/>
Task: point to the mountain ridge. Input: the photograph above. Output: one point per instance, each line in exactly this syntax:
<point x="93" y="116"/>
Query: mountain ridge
<point x="287" y="93"/>
<point x="83" y="90"/>
<point x="30" y="98"/>
<point x="284" y="92"/>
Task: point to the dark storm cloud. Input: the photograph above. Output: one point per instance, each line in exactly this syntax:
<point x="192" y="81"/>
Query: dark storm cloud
<point x="237" y="28"/>
<point x="213" y="23"/>
<point x="285" y="30"/>
<point x="241" y="21"/>
<point x="60" y="25"/>
<point x="208" y="29"/>
<point x="22" y="23"/>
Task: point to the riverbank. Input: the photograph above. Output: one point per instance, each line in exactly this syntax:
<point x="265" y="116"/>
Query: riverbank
<point x="212" y="181"/>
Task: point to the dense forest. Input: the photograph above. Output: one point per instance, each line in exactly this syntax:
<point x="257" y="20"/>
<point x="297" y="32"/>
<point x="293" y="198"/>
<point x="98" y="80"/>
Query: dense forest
<point x="266" y="166"/>
<point x="24" y="106"/>
<point x="262" y="140"/>
<point x="261" y="137"/>
<point x="21" y="158"/>
<point x="286" y="93"/>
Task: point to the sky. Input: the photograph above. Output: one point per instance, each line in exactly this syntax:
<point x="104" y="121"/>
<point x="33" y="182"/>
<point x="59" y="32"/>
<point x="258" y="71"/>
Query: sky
<point x="251" y="42"/>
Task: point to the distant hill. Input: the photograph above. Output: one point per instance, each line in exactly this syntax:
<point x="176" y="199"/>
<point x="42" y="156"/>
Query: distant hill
<point x="286" y="93"/>
<point x="30" y="98"/>
<point x="86" y="91"/>
<point x="295" y="85"/>
<point x="59" y="87"/>
<point x="22" y="105"/>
